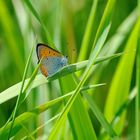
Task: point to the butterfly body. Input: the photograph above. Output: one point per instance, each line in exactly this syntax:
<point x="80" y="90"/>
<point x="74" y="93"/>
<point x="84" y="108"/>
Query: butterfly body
<point x="52" y="60"/>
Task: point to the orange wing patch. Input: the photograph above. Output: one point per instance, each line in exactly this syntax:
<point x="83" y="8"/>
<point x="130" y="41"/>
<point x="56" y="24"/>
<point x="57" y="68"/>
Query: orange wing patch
<point x="43" y="70"/>
<point x="45" y="51"/>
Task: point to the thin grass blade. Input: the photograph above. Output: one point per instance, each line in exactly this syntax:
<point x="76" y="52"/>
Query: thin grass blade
<point x="21" y="89"/>
<point x="84" y="78"/>
<point x="36" y="111"/>
<point x="137" y="102"/>
<point x="40" y="79"/>
<point x="88" y="31"/>
<point x="121" y="82"/>
<point x="38" y="17"/>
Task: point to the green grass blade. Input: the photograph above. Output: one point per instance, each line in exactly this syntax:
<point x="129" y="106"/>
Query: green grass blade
<point x="105" y="19"/>
<point x="88" y="31"/>
<point x="137" y="102"/>
<point x="123" y="107"/>
<point x="27" y="132"/>
<point x="17" y="126"/>
<point x="117" y="40"/>
<point x="138" y="7"/>
<point x="37" y="16"/>
<point x="41" y="126"/>
<point x="121" y="82"/>
<point x="40" y="79"/>
<point x="84" y="78"/>
<point x="24" y="93"/>
<point x="78" y="129"/>
<point x="53" y="102"/>
<point x="75" y="28"/>
<point x="36" y="111"/>
<point x="14" y="90"/>
<point x="120" y="35"/>
<point x="11" y="37"/>
<point x="80" y="65"/>
<point x="119" y="112"/>
<point x="100" y="116"/>
<point x="21" y="89"/>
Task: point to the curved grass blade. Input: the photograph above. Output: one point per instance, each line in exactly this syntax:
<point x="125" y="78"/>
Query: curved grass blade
<point x="37" y="16"/>
<point x="66" y="109"/>
<point x="28" y="115"/>
<point x="119" y="112"/>
<point x="40" y="79"/>
<point x="21" y="89"/>
<point x="88" y="31"/>
<point x="27" y="132"/>
<point x="137" y="102"/>
<point x="120" y="35"/>
<point x="80" y="65"/>
<point x="81" y="121"/>
<point x="119" y="89"/>
<point x="117" y="40"/>
<point x="105" y="21"/>
<point x="41" y="126"/>
<point x="24" y="93"/>
<point x="100" y="116"/>
<point x="12" y="39"/>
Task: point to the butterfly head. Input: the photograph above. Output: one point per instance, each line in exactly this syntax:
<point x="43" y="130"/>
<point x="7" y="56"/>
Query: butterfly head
<point x="64" y="61"/>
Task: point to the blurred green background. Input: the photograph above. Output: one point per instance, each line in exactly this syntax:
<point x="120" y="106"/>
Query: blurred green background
<point x="65" y="23"/>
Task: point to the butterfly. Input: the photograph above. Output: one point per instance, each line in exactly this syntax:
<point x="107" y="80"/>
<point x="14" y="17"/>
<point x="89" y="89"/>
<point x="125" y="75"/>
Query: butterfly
<point x="52" y="60"/>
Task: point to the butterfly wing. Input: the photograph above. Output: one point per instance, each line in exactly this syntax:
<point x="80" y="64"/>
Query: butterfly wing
<point x="53" y="64"/>
<point x="45" y="51"/>
<point x="52" y="60"/>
